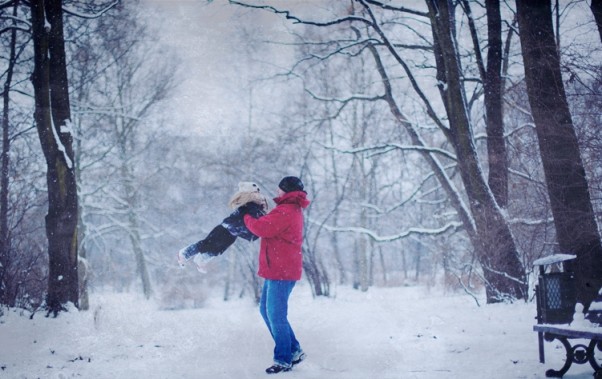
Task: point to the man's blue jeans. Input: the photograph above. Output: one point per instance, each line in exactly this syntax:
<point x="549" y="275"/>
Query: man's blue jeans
<point x="274" y="310"/>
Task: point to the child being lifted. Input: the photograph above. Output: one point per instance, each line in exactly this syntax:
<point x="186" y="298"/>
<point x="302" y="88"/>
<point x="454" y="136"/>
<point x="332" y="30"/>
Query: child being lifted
<point x="248" y="200"/>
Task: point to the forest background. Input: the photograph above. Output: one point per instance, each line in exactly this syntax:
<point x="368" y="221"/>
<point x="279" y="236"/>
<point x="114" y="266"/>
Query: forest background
<point x="172" y="103"/>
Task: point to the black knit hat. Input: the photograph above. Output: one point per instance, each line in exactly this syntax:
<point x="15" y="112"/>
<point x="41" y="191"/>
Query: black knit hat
<point x="290" y="184"/>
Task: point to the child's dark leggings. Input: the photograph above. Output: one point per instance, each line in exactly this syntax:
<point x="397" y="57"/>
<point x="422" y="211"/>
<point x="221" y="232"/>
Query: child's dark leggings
<point x="216" y="242"/>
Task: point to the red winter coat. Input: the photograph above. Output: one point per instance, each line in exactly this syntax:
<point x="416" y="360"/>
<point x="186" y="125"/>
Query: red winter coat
<point x="281" y="233"/>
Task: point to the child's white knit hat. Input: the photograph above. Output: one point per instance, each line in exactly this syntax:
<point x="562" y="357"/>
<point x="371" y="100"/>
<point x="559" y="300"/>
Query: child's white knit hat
<point x="248" y="187"/>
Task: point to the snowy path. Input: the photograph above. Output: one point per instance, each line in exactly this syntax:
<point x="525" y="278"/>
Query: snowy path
<point x="384" y="333"/>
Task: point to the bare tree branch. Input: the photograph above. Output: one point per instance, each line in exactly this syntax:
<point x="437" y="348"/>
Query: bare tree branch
<point x="430" y="111"/>
<point x="438" y="169"/>
<point x="413" y="195"/>
<point x="74" y="12"/>
<point x="397" y="9"/>
<point x="411" y="231"/>
<point x="475" y="39"/>
<point x="6" y="3"/>
<point x="296" y="20"/>
<point x="395" y="146"/>
<point x="346" y="100"/>
<point x="14" y="27"/>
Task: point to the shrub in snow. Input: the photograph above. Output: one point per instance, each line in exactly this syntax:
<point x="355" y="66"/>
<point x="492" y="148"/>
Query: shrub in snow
<point x="182" y="292"/>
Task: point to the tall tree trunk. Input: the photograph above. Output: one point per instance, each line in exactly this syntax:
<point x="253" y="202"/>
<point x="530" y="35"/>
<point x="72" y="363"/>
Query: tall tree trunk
<point x="81" y="94"/>
<point x="133" y="223"/>
<point x="362" y="256"/>
<point x="596" y="7"/>
<point x="360" y="174"/>
<point x="52" y="116"/>
<point x="141" y="266"/>
<point x="356" y="266"/>
<point x="491" y="75"/>
<point x="83" y="269"/>
<point x="383" y="266"/>
<point x="419" y="250"/>
<point x="334" y="240"/>
<point x="494" y="242"/>
<point x="316" y="274"/>
<point x="574" y="219"/>
<point x="494" y="108"/>
<point x="5" y="158"/>
<point x="230" y="277"/>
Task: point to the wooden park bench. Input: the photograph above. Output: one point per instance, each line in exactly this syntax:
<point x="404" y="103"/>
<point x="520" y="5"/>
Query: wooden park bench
<point x="579" y="353"/>
<point x="556" y="303"/>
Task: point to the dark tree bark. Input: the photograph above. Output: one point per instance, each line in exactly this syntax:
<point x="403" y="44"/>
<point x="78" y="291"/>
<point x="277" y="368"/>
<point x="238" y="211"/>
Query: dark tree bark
<point x="5" y="160"/>
<point x="491" y="75"/>
<point x="52" y="117"/>
<point x="316" y="276"/>
<point x="596" y="7"/>
<point x="576" y="228"/>
<point x="494" y="108"/>
<point x="494" y="243"/>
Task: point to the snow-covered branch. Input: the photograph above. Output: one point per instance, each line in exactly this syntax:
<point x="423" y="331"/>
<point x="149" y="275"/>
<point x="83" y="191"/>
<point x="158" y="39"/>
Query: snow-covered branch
<point x="404" y="234"/>
<point x="343" y="49"/>
<point x="438" y="169"/>
<point x="78" y="13"/>
<point x="417" y="191"/>
<point x="14" y="27"/>
<point x="393" y="146"/>
<point x="505" y="275"/>
<point x="483" y="136"/>
<point x="465" y="288"/>
<point x="297" y="20"/>
<point x="6" y="3"/>
<point x="412" y="47"/>
<point x="526" y="177"/>
<point x="345" y="100"/>
<point x="17" y="20"/>
<point x="530" y="222"/>
<point x="519" y="108"/>
<point x="397" y="9"/>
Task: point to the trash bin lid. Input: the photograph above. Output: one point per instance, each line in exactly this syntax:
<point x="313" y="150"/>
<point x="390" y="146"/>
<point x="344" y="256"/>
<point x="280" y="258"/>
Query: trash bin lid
<point x="551" y="259"/>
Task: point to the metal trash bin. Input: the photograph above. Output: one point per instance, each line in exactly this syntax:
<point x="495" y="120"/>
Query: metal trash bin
<point x="555" y="291"/>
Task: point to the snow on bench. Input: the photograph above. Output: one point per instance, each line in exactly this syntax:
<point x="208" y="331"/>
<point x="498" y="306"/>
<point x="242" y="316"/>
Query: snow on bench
<point x="578" y="353"/>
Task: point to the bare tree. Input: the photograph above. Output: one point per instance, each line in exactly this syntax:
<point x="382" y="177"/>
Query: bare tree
<point x="5" y="157"/>
<point x="482" y="219"/>
<point x="495" y="244"/>
<point x="118" y="84"/>
<point x="52" y="116"/>
<point x="23" y="264"/>
<point x="576" y="228"/>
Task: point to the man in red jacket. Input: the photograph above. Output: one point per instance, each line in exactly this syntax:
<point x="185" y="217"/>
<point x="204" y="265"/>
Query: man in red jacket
<point x="281" y="264"/>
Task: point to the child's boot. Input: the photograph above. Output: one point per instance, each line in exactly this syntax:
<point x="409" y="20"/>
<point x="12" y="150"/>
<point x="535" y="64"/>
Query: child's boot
<point x="201" y="261"/>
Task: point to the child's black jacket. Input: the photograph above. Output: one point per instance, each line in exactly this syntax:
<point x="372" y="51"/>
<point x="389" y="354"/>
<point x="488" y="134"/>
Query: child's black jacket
<point x="223" y="235"/>
<point x="235" y="223"/>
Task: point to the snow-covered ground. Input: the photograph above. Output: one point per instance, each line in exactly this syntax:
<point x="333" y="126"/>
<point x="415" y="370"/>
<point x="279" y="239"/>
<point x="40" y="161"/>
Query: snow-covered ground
<point x="406" y="332"/>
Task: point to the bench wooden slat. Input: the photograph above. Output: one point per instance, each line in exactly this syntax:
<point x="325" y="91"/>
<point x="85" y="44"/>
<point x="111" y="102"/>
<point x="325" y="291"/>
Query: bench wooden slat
<point x="594" y="333"/>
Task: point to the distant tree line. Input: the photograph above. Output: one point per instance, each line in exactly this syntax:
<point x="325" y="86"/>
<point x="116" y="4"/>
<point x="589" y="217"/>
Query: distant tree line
<point x="446" y="137"/>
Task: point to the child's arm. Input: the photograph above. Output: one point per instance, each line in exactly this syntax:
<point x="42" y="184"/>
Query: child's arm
<point x="253" y="209"/>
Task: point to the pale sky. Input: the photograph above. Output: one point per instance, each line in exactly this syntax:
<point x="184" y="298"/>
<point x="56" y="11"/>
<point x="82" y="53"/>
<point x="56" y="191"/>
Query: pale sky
<point x="216" y="64"/>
